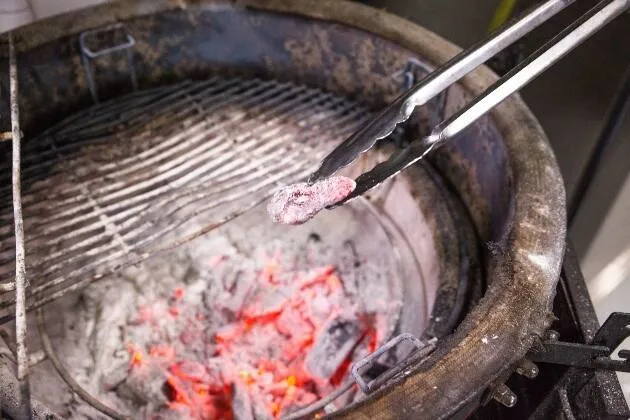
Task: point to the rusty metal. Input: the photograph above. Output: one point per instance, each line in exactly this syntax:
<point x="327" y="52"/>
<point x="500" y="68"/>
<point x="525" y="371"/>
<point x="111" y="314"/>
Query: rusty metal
<point x="596" y="355"/>
<point x="527" y="369"/>
<point x="504" y="395"/>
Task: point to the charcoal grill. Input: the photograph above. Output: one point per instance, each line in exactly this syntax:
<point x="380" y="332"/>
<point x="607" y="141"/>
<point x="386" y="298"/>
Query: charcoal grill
<point x="147" y="124"/>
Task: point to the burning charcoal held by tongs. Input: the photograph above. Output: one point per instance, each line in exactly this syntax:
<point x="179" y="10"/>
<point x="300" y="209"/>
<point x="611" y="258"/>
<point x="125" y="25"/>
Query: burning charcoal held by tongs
<point x="297" y="203"/>
<point x="287" y="206"/>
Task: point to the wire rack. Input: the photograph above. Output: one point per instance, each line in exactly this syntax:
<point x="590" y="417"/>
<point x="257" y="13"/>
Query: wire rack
<point x="122" y="180"/>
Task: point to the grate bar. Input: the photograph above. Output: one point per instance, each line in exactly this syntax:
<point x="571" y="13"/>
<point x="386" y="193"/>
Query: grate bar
<point x="235" y="175"/>
<point x="73" y="191"/>
<point x="219" y="167"/>
<point x="164" y="105"/>
<point x="204" y="152"/>
<point x="141" y="158"/>
<point x="293" y="170"/>
<point x="213" y="145"/>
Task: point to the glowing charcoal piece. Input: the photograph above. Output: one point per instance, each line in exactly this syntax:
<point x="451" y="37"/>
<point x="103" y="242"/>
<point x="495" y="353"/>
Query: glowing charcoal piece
<point x="298" y="203"/>
<point x="258" y="341"/>
<point x="333" y="346"/>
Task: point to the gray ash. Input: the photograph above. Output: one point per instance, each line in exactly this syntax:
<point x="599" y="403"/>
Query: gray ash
<point x="296" y="204"/>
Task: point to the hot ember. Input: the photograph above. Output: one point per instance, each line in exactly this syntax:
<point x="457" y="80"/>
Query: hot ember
<point x="298" y="203"/>
<point x="270" y="340"/>
<point x="249" y="322"/>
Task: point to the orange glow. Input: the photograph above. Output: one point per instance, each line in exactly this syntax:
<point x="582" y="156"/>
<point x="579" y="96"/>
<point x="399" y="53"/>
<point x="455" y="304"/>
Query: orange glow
<point x="201" y="390"/>
<point x="162" y="351"/>
<point x="278" y="379"/>
<point x="136" y="355"/>
<point x="246" y="377"/>
<point x="333" y="282"/>
<point x="178" y="293"/>
<point x="275" y="408"/>
<point x="373" y="343"/>
<point x="291" y="380"/>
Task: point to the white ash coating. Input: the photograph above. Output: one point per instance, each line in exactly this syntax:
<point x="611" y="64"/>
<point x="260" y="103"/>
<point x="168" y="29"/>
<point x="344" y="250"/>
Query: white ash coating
<point x="298" y="203"/>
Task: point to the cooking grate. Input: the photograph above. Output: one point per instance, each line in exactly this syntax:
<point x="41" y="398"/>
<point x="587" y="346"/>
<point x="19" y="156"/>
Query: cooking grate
<point x="127" y="178"/>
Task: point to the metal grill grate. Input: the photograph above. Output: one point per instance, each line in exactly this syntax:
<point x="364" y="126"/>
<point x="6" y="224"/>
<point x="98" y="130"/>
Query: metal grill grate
<point x="128" y="178"/>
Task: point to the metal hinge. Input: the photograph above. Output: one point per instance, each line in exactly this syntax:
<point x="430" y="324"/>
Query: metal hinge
<point x="596" y="355"/>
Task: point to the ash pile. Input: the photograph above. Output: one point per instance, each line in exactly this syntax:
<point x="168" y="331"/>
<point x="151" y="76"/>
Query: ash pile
<point x="225" y="327"/>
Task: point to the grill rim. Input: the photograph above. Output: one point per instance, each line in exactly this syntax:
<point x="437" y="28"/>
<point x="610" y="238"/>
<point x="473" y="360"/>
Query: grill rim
<point x="533" y="253"/>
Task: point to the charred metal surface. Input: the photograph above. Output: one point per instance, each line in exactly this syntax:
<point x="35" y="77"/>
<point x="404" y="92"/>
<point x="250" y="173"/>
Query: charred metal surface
<point x="461" y="280"/>
<point x="195" y="43"/>
<point x="503" y="170"/>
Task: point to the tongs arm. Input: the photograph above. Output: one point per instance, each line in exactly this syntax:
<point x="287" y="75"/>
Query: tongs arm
<point x="534" y="65"/>
<point x="401" y="108"/>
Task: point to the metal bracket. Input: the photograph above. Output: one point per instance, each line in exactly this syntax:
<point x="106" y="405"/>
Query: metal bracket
<point x="408" y="77"/>
<point x="87" y="54"/>
<point x="370" y="362"/>
<point x="591" y="356"/>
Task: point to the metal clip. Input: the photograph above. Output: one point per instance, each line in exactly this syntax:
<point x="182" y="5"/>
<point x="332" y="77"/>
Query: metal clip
<point x="413" y="72"/>
<point x="88" y="54"/>
<point x="369" y="361"/>
<point x="407" y="76"/>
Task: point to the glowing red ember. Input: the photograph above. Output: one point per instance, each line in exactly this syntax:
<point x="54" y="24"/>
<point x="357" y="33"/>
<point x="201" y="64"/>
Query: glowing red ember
<point x="290" y="343"/>
<point x="298" y="203"/>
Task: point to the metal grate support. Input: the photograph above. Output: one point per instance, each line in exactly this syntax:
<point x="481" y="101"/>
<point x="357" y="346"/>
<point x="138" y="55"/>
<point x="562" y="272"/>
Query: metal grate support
<point x="20" y="265"/>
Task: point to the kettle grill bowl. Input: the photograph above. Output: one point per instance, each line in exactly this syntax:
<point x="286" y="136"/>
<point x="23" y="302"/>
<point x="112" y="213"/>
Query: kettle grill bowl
<point x="502" y="169"/>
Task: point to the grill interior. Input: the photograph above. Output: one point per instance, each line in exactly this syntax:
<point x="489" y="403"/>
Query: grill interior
<point x="121" y="181"/>
<point x="127" y="178"/>
<point x="497" y="184"/>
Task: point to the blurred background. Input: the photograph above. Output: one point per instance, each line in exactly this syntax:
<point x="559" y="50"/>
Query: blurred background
<point x="572" y="101"/>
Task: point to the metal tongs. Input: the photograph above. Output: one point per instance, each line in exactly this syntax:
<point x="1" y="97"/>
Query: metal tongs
<point x="439" y="80"/>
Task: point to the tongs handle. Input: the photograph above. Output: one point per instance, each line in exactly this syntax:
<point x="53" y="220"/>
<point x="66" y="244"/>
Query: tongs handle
<point x="401" y="108"/>
<point x="534" y="65"/>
